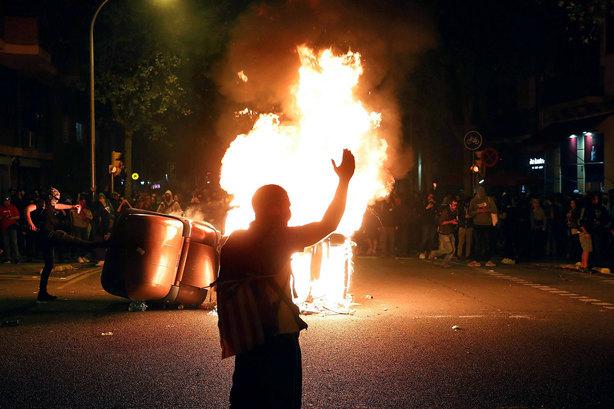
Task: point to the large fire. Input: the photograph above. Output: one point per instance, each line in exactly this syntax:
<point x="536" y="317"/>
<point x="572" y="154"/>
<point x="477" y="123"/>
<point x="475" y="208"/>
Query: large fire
<point x="295" y="154"/>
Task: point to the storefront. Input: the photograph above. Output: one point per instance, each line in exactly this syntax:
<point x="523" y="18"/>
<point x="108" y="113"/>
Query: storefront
<point x="582" y="162"/>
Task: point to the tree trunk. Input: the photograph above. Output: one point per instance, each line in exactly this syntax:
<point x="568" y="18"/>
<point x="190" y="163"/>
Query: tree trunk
<point x="128" y="136"/>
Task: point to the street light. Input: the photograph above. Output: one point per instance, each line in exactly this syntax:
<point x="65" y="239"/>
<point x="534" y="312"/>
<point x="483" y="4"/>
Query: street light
<point x="92" y="108"/>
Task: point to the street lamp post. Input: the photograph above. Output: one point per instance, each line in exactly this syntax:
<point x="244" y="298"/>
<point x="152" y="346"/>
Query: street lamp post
<point x="92" y="107"/>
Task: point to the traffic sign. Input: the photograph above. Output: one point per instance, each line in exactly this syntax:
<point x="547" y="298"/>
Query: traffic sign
<point x="490" y="156"/>
<point x="473" y="140"/>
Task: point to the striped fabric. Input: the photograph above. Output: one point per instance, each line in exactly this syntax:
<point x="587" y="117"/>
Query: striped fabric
<point x="252" y="309"/>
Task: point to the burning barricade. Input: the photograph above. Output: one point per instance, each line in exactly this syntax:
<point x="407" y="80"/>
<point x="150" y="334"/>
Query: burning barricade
<point x="295" y="153"/>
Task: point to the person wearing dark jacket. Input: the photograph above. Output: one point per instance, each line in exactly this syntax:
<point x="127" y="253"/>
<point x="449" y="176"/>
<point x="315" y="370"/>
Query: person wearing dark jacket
<point x="596" y="220"/>
<point x="104" y="215"/>
<point x="465" y="231"/>
<point x="510" y="228"/>
<point x="43" y="219"/>
<point x="428" y="226"/>
<point x="573" y="250"/>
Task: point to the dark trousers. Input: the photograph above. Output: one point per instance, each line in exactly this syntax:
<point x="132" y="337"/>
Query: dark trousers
<point x="538" y="243"/>
<point x="387" y="241"/>
<point x="11" y="248"/>
<point x="511" y="240"/>
<point x="47" y="243"/>
<point x="270" y="376"/>
<point x="483" y="242"/>
<point x="427" y="237"/>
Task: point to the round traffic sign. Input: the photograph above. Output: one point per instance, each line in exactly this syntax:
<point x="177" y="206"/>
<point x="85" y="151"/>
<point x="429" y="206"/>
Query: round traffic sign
<point x="490" y="156"/>
<point x="135" y="176"/>
<point x="473" y="140"/>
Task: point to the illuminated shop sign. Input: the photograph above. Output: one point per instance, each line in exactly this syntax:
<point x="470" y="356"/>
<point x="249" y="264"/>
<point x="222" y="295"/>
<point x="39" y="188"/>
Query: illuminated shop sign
<point x="537" y="163"/>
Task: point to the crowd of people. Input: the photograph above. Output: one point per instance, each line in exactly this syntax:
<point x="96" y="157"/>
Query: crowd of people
<point x="484" y="230"/>
<point x="93" y="221"/>
<point x="479" y="229"/>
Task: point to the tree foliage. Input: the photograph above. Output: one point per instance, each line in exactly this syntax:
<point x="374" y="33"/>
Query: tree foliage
<point x="146" y="100"/>
<point x="586" y="17"/>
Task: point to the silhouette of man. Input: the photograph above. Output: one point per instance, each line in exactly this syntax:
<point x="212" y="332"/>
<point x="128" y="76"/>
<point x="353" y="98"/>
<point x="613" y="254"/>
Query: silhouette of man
<point x="257" y="320"/>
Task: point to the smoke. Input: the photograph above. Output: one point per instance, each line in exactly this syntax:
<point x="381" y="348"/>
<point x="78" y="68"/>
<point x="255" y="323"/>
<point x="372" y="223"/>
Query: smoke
<point x="263" y="48"/>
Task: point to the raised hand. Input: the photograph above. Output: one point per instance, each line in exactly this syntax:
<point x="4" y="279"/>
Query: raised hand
<point x="346" y="169"/>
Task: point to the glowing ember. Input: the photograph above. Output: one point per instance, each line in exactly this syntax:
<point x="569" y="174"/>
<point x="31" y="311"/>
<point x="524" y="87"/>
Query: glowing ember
<point x="296" y="155"/>
<point x="242" y="76"/>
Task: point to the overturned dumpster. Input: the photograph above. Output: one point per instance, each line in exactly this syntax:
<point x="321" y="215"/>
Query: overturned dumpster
<point x="161" y="258"/>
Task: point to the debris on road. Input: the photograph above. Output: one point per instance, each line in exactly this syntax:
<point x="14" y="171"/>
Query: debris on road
<point x="456" y="328"/>
<point x="106" y="334"/>
<point x="10" y="323"/>
<point x="137" y="306"/>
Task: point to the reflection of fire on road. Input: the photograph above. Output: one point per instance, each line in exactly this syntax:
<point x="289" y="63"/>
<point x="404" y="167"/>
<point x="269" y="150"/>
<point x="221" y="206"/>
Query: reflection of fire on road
<point x="296" y="155"/>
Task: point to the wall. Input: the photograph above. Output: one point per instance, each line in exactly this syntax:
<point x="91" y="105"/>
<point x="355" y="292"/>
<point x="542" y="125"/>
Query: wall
<point x="607" y="128"/>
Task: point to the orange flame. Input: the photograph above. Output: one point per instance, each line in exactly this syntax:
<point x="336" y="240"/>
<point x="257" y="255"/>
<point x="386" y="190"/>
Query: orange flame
<point x="296" y="155"/>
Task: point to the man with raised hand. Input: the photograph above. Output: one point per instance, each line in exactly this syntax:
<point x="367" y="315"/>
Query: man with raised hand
<point x="258" y="321"/>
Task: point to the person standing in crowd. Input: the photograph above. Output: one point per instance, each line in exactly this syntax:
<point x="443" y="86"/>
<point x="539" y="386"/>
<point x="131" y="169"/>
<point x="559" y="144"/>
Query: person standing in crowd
<point x="586" y="242"/>
<point x="573" y="249"/>
<point x="115" y="200"/>
<point x="483" y="210"/>
<point x="389" y="219"/>
<point x="371" y="229"/>
<point x="154" y="202"/>
<point x="428" y="226"/>
<point x="538" y="229"/>
<point x="169" y="205"/>
<point x="255" y="271"/>
<point x="465" y="230"/>
<point x="82" y="226"/>
<point x="9" y="223"/>
<point x="43" y="219"/>
<point x="510" y="229"/>
<point x="104" y="215"/>
<point x="402" y="229"/>
<point x="596" y="220"/>
<point x="448" y="221"/>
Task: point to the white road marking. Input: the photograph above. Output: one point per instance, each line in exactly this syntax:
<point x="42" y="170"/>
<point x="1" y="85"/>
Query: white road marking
<point x="83" y="276"/>
<point x="554" y="290"/>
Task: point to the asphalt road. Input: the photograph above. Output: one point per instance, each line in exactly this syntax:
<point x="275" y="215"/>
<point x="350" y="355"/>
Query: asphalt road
<point x="529" y="337"/>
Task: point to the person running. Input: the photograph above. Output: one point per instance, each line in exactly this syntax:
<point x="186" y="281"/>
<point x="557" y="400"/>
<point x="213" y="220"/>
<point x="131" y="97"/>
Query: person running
<point x="258" y="321"/>
<point x="43" y="218"/>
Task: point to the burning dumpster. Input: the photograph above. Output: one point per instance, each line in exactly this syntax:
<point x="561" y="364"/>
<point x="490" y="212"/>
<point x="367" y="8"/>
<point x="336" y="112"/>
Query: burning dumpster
<point x="157" y="257"/>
